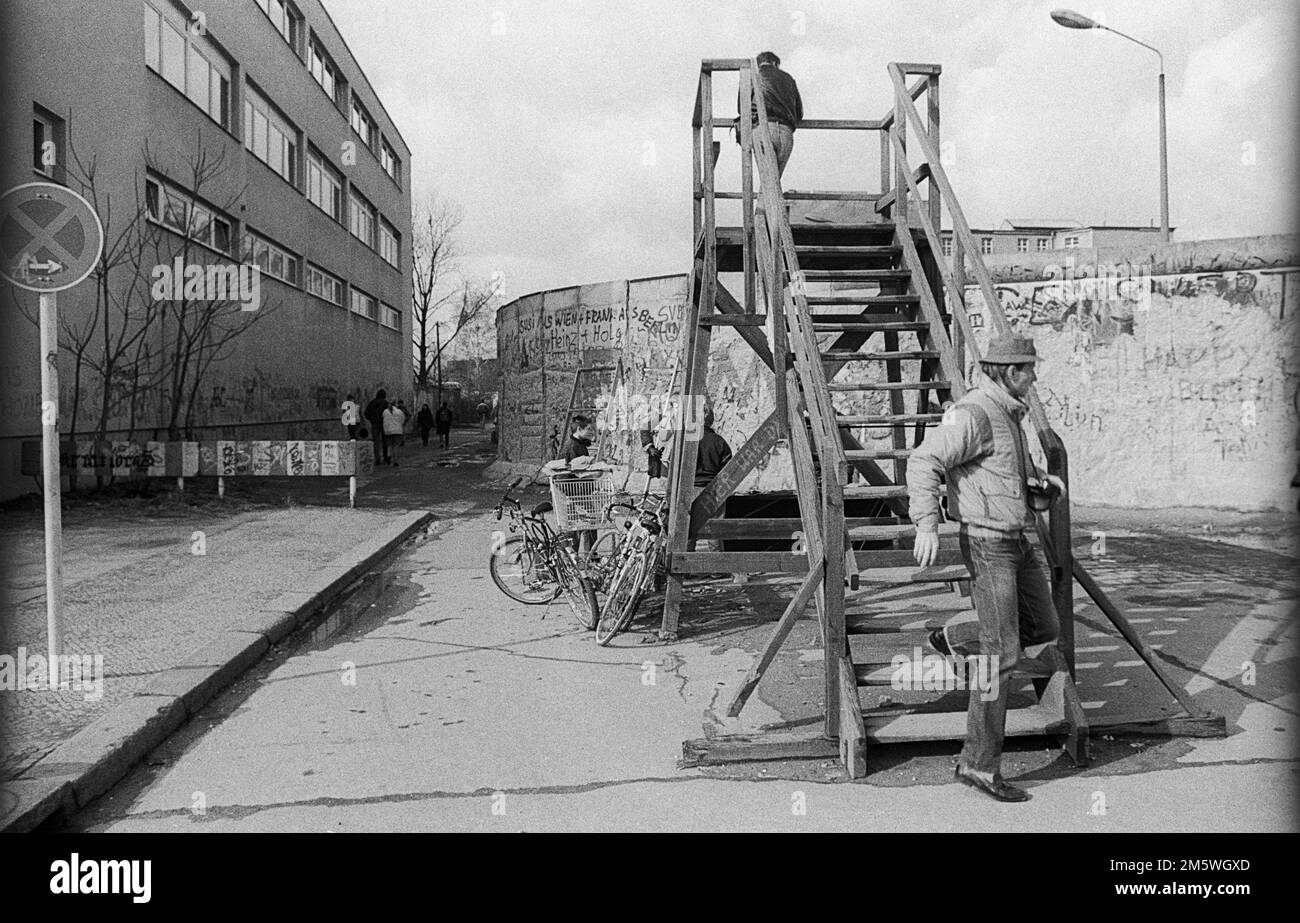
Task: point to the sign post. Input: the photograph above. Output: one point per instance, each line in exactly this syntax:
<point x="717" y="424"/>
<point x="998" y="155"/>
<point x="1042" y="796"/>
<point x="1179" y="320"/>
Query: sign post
<point x="50" y="240"/>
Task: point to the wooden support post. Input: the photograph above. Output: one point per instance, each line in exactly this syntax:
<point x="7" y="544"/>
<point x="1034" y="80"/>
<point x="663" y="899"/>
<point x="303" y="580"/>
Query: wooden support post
<point x="894" y="373"/>
<point x="932" y="106"/>
<point x="853" y="733"/>
<point x="221" y="488"/>
<point x="784" y="625"/>
<point x="957" y="301"/>
<point x="836" y="651"/>
<point x="780" y="347"/>
<point x="352" y="491"/>
<point x="746" y="129"/>
<point x="1063" y="567"/>
<point x="886" y="175"/>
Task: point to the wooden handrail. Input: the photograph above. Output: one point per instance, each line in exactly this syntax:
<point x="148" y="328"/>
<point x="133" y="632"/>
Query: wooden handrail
<point x="961" y="229"/>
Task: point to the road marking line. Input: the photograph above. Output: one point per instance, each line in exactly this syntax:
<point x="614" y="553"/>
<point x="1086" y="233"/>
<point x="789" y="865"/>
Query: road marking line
<point x="1129" y="663"/>
<point x="1166" y="631"/>
<point x="1091" y="705"/>
<point x="1140" y="621"/>
<point x="1118" y="682"/>
<point x="1096" y="650"/>
<point x="1090" y="665"/>
<point x="1174" y="618"/>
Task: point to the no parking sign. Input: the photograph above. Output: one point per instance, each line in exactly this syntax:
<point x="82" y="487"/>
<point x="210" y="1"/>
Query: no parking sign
<point x="50" y="239"/>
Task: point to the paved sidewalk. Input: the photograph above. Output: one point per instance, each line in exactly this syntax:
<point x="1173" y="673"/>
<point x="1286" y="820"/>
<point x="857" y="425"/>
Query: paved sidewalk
<point x="150" y="581"/>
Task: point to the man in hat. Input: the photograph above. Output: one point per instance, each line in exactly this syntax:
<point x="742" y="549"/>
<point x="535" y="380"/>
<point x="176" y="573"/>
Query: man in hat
<point x="981" y="448"/>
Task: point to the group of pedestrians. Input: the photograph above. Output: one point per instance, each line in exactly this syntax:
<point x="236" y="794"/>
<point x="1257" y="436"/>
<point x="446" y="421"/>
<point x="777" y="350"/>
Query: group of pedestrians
<point x="385" y="422"/>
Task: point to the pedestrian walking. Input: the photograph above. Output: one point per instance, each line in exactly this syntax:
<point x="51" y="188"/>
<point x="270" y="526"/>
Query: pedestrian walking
<point x="406" y="416"/>
<point x="424" y="421"/>
<point x="482" y="414"/>
<point x="374" y="415"/>
<point x="393" y="422"/>
<point x="442" y="423"/>
<point x="351" y="416"/>
<point x="981" y="449"/>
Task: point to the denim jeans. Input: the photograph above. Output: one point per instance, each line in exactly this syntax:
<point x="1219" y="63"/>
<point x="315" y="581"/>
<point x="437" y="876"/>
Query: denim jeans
<point x="1014" y="603"/>
<point x="783" y="142"/>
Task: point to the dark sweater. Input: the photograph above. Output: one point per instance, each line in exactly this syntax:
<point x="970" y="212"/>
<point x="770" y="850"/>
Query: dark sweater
<point x="780" y="96"/>
<point x="714" y="454"/>
<point x="576" y="448"/>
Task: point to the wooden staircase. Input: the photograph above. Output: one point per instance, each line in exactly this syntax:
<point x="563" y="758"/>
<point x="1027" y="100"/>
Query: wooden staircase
<point x="864" y="326"/>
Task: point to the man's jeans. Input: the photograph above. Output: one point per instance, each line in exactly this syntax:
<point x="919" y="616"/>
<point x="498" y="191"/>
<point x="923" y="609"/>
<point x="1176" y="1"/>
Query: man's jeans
<point x="1015" y="609"/>
<point x="783" y="142"/>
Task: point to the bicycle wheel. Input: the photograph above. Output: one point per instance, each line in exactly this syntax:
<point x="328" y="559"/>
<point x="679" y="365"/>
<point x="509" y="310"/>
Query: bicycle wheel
<point x="599" y="564"/>
<point x="521" y="574"/>
<point x="624" y="597"/>
<point x="578" y="592"/>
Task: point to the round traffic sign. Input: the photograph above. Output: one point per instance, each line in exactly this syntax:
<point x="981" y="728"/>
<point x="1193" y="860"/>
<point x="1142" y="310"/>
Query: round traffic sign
<point x="50" y="237"/>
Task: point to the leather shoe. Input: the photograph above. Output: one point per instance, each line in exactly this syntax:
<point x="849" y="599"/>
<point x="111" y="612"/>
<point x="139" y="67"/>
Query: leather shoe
<point x="997" y="787"/>
<point x="939" y="642"/>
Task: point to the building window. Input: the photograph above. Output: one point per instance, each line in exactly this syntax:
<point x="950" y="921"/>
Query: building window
<point x="390" y="316"/>
<point x="269" y="136"/>
<point x="188" y="62"/>
<point x="179" y="211"/>
<point x="270" y="258"/>
<point x="390" y="245"/>
<point x="363" y="124"/>
<point x="324" y="186"/>
<point x="324" y="285"/>
<point x="325" y="72"/>
<point x="1071" y="243"/>
<point x="364" y="305"/>
<point x="47" y="143"/>
<point x="947" y="246"/>
<point x="388" y="160"/>
<point x="1022" y="244"/>
<point x="286" y="19"/>
<point x="1042" y="244"/>
<point x="362" y="220"/>
<point x="986" y="245"/>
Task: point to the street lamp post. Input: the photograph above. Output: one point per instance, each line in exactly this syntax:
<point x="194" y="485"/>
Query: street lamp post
<point x="1073" y="20"/>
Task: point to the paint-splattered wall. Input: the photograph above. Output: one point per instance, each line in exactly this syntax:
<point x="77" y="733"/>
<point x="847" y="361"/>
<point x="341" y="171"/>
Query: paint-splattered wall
<point x="1171" y="374"/>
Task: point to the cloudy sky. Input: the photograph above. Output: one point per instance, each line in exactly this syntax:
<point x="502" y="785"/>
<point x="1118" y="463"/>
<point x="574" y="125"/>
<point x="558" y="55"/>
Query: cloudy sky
<point x="562" y="127"/>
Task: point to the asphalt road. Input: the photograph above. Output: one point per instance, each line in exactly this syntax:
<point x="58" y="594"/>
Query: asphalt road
<point x="435" y="703"/>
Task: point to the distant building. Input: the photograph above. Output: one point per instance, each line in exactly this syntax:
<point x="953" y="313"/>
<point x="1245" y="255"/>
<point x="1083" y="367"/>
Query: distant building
<point x="310" y="183"/>
<point x="1037" y="235"/>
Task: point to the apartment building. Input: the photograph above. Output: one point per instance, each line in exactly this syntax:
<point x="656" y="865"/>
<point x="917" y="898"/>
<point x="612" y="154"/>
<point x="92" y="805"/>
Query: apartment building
<point x="246" y="130"/>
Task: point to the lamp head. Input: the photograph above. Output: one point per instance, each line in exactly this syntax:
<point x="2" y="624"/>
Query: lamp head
<point x="1072" y="20"/>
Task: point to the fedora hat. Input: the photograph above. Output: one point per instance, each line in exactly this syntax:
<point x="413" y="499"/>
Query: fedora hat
<point x="1010" y="349"/>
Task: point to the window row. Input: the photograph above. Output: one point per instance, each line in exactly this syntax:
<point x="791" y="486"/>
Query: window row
<point x="183" y="213"/>
<point x="1022" y="244"/>
<point x="184" y="58"/>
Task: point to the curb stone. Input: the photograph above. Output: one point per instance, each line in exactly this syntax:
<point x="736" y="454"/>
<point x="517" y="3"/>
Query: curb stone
<point x="94" y="759"/>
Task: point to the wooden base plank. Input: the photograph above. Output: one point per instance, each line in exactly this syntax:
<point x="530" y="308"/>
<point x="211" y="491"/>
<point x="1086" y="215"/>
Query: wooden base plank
<point x="761" y="745"/>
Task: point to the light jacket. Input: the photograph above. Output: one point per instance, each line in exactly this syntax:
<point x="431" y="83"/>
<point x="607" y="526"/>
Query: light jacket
<point x="394" y="421"/>
<point x="981" y="447"/>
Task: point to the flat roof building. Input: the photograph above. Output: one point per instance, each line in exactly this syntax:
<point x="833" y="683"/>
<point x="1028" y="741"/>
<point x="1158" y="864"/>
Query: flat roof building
<point x="235" y="132"/>
<point x="1037" y="235"/>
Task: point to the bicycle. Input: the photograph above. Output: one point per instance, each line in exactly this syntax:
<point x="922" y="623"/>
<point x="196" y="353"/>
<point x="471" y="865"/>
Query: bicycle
<point x="535" y="565"/>
<point x="639" y="558"/>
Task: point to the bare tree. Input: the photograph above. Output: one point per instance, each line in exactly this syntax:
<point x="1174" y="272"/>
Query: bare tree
<point x="108" y="342"/>
<point x="197" y="331"/>
<point x="434" y="277"/>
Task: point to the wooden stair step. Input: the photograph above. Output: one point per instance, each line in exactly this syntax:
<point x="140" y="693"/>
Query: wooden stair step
<point x="744" y="562"/>
<point x="869" y="454"/>
<point x="936" y="385"/>
<point x="776" y="528"/>
<point x="896" y="565"/>
<point x="882" y="623"/>
<point x="896" y="530"/>
<point x="856" y="275"/>
<point x="885" y="419"/>
<point x="733" y="320"/>
<point x="848" y="250"/>
<point x="901" y="299"/>
<point x="852" y="355"/>
<point x="819" y="322"/>
<point x="1034" y="721"/>
<point x="872" y="492"/>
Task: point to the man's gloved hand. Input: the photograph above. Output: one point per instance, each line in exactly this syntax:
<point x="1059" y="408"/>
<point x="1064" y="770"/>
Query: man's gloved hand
<point x="926" y="548"/>
<point x="1055" y="482"/>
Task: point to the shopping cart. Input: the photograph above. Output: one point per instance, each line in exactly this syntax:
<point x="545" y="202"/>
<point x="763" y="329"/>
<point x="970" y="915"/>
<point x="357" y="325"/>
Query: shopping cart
<point x="580" y="498"/>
